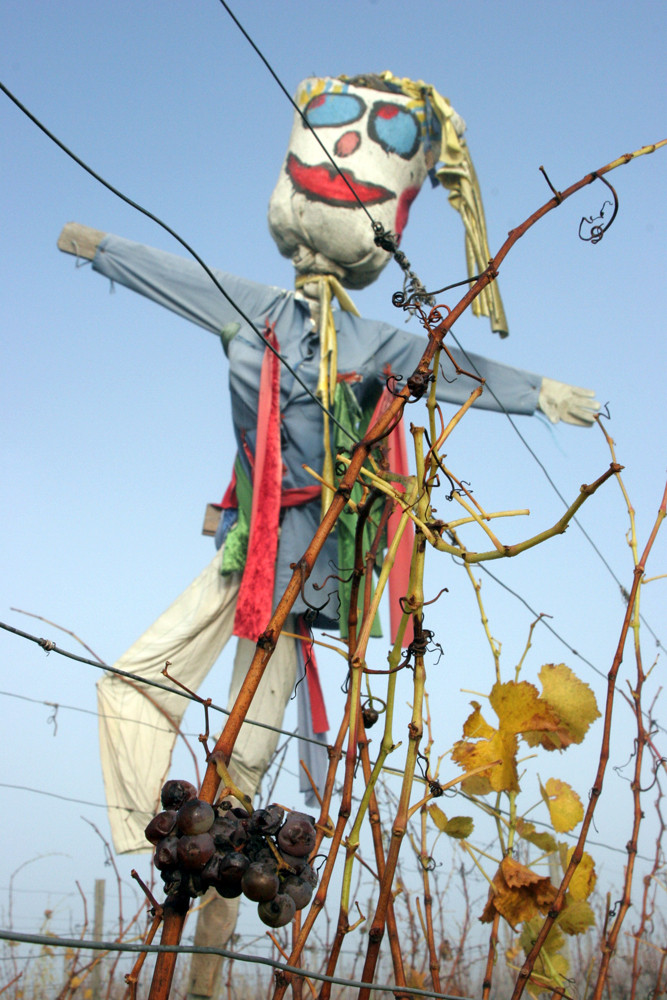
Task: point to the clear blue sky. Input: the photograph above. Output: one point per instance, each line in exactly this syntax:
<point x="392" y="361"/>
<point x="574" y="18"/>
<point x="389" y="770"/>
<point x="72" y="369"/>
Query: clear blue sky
<point x="115" y="413"/>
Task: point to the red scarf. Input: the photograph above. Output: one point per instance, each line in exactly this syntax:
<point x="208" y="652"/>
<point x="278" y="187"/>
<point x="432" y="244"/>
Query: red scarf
<point x="255" y="600"/>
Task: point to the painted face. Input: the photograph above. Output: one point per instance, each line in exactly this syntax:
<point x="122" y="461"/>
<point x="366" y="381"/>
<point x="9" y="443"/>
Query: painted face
<point x="377" y="140"/>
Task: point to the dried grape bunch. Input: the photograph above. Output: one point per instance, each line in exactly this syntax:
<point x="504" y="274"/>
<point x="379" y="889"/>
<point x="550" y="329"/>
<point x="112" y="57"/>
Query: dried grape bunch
<point x="262" y="855"/>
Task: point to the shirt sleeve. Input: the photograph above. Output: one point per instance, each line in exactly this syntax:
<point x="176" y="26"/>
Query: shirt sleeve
<point x="182" y="285"/>
<point x="506" y="388"/>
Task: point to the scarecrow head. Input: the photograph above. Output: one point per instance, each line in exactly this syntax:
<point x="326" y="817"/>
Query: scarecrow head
<point x="383" y="143"/>
<point x="386" y="135"/>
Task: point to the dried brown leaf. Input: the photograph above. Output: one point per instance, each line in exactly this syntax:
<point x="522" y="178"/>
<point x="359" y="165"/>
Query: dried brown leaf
<point x="517" y="893"/>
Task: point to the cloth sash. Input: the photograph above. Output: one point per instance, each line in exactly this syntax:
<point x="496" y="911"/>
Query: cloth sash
<point x="312" y="717"/>
<point x="399" y="580"/>
<point x="255" y="601"/>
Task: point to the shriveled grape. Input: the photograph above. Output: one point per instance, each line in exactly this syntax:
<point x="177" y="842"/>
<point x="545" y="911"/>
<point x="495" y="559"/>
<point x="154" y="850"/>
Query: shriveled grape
<point x="166" y="853"/>
<point x="160" y="826"/>
<point x="266" y="821"/>
<point x="228" y="832"/>
<point x="225" y="873"/>
<point x="278" y="911"/>
<point x="300" y="890"/>
<point x="297" y="835"/>
<point x="194" y="852"/>
<point x="175" y="792"/>
<point x="195" y="816"/>
<point x="370" y="716"/>
<point x="260" y="882"/>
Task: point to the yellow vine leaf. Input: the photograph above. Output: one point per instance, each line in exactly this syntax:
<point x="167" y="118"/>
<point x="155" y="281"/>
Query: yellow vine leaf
<point x="496" y="755"/>
<point x="476" y="727"/>
<point x="572" y="700"/>
<point x="576" y="916"/>
<point x="459" y="827"/>
<point x="551" y="966"/>
<point x="549" y="972"/>
<point x="544" y="840"/>
<point x="565" y="808"/>
<point x="554" y="719"/>
<point x="554" y="939"/>
<point x="517" y="894"/>
<point x="520" y="709"/>
<point x="584" y="878"/>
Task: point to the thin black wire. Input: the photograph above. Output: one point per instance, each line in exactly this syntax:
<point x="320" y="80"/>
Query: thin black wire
<point x="37" y="892"/>
<point x="186" y="246"/>
<point x="38" y="791"/>
<point x="537" y="822"/>
<point x="67" y="798"/>
<point x="551" y="483"/>
<point x="297" y="109"/>
<point x="183" y="949"/>
<point x="57" y="705"/>
<point x="544" y="621"/>
<point x="52" y="648"/>
<point x="117" y="718"/>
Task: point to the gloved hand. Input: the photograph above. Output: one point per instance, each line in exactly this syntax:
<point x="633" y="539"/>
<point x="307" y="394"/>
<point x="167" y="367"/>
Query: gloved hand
<point x="569" y="403"/>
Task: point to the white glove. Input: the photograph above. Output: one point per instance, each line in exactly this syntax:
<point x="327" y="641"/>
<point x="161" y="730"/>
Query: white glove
<point x="567" y="402"/>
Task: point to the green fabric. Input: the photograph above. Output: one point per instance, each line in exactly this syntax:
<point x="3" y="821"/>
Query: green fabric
<point x="227" y="334"/>
<point x="236" y="543"/>
<point x="355" y="420"/>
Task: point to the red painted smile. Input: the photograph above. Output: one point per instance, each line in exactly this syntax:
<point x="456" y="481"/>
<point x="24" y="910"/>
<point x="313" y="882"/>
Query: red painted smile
<point x="323" y="183"/>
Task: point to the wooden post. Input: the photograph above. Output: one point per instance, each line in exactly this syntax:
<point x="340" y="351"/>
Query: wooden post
<point x="82" y="241"/>
<point x="98" y="934"/>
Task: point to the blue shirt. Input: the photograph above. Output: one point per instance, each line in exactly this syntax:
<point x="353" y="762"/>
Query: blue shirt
<point x="367" y="349"/>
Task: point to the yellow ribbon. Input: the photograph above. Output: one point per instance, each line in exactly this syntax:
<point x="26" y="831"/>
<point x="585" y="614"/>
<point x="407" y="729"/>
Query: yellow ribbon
<point x="328" y="287"/>
<point x="457" y="174"/>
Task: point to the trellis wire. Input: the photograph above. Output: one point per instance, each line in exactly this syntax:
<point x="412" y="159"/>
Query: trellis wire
<point x="58" y="942"/>
<point x="51" y="647"/>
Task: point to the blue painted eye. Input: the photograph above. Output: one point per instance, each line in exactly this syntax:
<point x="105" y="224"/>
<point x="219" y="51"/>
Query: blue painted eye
<point x="394" y="128"/>
<point x="333" y="109"/>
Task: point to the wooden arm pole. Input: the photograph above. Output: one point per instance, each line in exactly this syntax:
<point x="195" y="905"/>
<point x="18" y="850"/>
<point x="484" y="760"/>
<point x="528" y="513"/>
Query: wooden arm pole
<point x="82" y="241"/>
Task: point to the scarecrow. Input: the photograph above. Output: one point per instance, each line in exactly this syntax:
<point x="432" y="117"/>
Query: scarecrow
<point x="386" y="135"/>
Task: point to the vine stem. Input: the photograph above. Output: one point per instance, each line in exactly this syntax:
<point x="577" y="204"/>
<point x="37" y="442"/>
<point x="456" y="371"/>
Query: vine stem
<point x="433" y="963"/>
<point x="368" y="803"/>
<point x="415" y="601"/>
<point x="611" y="939"/>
